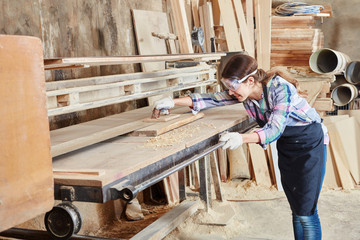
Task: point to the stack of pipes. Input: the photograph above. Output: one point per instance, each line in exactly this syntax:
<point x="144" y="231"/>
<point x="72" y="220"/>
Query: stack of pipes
<point x="346" y="87"/>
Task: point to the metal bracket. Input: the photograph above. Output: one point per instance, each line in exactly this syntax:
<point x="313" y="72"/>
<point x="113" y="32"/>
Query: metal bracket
<point x="67" y="193"/>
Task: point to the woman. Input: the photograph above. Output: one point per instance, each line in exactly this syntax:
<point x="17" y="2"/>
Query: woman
<point x="272" y="99"/>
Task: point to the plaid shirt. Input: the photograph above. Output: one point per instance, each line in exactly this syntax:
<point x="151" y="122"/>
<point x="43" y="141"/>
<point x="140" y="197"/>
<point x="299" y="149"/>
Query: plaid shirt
<point x="287" y="108"/>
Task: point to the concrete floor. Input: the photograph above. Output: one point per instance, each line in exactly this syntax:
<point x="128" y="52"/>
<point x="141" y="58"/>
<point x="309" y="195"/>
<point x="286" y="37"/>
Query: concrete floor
<point x="339" y="212"/>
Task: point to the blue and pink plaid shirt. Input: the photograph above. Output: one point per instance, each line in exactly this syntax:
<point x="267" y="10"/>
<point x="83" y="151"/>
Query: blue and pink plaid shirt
<point x="287" y="108"/>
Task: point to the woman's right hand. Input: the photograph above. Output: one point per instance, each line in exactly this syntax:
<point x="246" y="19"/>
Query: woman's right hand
<point x="165" y="103"/>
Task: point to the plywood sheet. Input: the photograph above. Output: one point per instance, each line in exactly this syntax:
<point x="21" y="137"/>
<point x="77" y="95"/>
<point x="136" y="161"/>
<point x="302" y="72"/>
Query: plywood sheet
<point x="26" y="188"/>
<point x="146" y="23"/>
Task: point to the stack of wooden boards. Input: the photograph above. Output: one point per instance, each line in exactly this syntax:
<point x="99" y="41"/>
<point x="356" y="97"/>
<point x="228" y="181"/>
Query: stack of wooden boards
<point x="294" y="39"/>
<point x="249" y="25"/>
<point x="230" y="22"/>
<point x="343" y="156"/>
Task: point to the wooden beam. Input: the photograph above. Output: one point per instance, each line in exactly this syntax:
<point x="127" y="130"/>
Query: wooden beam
<point x="263" y="33"/>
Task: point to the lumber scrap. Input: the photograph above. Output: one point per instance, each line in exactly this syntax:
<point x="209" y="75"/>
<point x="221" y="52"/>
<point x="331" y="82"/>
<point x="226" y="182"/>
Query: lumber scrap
<point x="169" y="221"/>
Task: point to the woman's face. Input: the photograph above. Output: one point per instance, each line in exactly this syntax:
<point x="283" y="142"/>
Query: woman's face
<point x="243" y="91"/>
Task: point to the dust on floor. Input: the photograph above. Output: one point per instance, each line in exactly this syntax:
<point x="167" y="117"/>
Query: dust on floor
<point x="259" y="213"/>
<point x="263" y="213"/>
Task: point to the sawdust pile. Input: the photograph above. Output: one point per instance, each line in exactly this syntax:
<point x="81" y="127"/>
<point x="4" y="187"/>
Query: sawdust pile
<point x="176" y="136"/>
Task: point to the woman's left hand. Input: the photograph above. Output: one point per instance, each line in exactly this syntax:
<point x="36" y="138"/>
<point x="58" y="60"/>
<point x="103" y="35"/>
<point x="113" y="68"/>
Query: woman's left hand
<point x="233" y="140"/>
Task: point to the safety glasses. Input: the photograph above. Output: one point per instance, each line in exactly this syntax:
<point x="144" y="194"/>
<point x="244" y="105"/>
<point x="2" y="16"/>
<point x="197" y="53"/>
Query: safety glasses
<point x="233" y="83"/>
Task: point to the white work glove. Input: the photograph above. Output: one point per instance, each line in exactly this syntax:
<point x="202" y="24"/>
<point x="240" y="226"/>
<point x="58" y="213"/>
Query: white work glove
<point x="165" y="103"/>
<point x="233" y="140"/>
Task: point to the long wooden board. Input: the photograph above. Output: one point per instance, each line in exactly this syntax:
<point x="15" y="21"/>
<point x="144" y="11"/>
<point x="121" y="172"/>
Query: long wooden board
<point x="58" y="63"/>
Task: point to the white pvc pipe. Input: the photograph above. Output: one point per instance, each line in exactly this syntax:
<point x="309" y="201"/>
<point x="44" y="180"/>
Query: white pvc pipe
<point x="326" y="60"/>
<point x="352" y="72"/>
<point x="344" y="94"/>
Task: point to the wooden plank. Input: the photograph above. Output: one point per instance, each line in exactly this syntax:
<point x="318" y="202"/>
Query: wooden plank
<point x="324" y="104"/>
<point x="244" y="30"/>
<point x="207" y="24"/>
<point x="79" y="136"/>
<point x="348" y="131"/>
<point x="162" y="118"/>
<point x="250" y="21"/>
<point x="205" y="182"/>
<point x="80" y="171"/>
<point x="169" y="221"/>
<point x="195" y="12"/>
<point x="171" y="185"/>
<point x="231" y="32"/>
<point x="263" y="33"/>
<point x="338" y="153"/>
<point x="26" y="188"/>
<point x="331" y="179"/>
<point x="160" y="128"/>
<point x="53" y="63"/>
<point x="222" y="158"/>
<point x="238" y="164"/>
<point x="182" y="27"/>
<point x="215" y="176"/>
<point x="275" y="160"/>
<point x="261" y="171"/>
<point x="147" y="44"/>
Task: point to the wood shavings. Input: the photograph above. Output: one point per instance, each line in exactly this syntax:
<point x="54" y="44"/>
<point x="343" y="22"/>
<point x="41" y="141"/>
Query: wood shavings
<point x="173" y="137"/>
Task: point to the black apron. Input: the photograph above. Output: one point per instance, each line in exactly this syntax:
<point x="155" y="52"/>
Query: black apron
<point x="300" y="158"/>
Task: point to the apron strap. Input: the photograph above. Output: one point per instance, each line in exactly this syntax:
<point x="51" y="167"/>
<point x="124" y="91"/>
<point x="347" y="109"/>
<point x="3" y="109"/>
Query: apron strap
<point x="258" y="120"/>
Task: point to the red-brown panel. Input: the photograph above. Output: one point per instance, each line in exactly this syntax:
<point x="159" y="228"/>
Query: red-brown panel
<point x="26" y="181"/>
